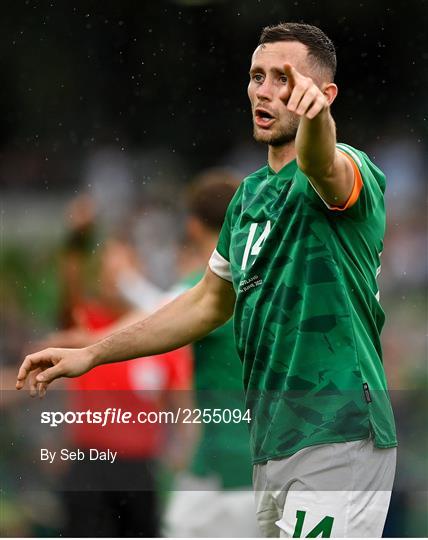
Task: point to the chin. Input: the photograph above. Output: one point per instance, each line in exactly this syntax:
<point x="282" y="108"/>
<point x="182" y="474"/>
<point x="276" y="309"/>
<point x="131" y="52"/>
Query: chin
<point x="262" y="136"/>
<point x="274" y="139"/>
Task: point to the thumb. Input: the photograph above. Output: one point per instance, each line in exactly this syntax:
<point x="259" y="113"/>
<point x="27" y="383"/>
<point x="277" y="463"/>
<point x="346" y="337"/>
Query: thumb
<point x="50" y="374"/>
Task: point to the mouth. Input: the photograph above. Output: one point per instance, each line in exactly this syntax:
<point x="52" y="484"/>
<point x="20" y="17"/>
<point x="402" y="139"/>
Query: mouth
<point x="263" y="118"/>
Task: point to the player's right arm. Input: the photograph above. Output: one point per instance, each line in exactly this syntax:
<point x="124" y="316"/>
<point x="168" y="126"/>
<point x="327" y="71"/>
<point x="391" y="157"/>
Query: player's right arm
<point x="186" y="319"/>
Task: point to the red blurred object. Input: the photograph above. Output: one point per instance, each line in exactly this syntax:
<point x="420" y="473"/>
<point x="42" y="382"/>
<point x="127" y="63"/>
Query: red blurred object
<point x="136" y="385"/>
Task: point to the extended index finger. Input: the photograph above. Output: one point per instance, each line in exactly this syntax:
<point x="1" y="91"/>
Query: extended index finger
<point x="292" y="74"/>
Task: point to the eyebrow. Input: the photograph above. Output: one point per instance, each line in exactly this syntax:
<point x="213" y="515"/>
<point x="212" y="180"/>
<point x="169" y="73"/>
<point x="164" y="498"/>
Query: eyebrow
<point x="258" y="69"/>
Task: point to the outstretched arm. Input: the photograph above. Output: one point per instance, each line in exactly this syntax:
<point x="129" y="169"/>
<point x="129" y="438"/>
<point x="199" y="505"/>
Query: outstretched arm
<point x="329" y="170"/>
<point x="189" y="317"/>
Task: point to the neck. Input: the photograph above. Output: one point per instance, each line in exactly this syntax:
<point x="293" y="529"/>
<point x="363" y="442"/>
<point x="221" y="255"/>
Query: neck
<point x="278" y="156"/>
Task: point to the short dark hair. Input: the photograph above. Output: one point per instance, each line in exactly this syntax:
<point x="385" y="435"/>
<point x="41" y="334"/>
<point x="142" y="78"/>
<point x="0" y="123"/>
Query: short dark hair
<point x="319" y="46"/>
<point x="209" y="196"/>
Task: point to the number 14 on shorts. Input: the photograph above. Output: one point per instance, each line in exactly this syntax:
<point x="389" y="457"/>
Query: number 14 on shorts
<point x="322" y="529"/>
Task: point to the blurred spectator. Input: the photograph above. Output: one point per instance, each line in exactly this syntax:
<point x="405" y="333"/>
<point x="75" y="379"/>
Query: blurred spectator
<point x="77" y="257"/>
<point x="104" y="499"/>
<point x="111" y="496"/>
<point x="219" y="473"/>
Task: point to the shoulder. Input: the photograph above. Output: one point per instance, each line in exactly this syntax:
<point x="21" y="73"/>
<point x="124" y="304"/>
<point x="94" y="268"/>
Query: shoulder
<point x="368" y="169"/>
<point x="367" y="197"/>
<point x="251" y="184"/>
<point x="255" y="178"/>
<point x="247" y="186"/>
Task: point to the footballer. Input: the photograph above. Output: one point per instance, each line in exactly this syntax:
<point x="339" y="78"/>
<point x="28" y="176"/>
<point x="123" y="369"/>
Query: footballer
<point x="295" y="266"/>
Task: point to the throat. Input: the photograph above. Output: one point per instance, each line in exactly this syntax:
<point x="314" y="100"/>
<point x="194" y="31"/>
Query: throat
<point x="279" y="156"/>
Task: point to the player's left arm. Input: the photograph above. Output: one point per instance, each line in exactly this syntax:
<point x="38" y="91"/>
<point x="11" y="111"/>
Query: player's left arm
<point x="330" y="171"/>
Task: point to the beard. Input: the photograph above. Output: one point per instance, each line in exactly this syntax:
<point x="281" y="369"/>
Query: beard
<point x="281" y="136"/>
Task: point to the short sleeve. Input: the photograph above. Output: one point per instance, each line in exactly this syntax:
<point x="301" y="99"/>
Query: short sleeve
<point x="371" y="192"/>
<point x="368" y="191"/>
<point x="219" y="262"/>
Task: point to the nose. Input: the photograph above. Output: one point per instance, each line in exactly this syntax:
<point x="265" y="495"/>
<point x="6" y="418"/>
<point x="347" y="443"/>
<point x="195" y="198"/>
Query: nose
<point x="264" y="91"/>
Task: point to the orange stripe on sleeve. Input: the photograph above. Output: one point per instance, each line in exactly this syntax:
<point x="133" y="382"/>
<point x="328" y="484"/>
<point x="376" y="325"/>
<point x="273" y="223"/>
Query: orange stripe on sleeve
<point x="358" y="185"/>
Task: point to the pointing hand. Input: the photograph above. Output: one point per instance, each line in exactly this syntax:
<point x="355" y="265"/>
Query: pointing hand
<point x="301" y="95"/>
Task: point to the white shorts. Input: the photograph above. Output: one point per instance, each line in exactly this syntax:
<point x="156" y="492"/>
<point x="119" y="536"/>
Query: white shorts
<point x="200" y="509"/>
<point x="329" y="490"/>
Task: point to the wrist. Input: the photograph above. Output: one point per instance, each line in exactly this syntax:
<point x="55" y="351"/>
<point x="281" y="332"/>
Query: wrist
<point x="93" y="355"/>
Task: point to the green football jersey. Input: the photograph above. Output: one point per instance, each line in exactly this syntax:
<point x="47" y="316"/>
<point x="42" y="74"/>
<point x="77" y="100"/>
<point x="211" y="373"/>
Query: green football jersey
<point x="307" y="317"/>
<point x="224" y="447"/>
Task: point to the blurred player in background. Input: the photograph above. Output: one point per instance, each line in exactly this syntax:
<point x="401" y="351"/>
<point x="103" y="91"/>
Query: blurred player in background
<point x="213" y="497"/>
<point x="296" y="266"/>
<point x="101" y="500"/>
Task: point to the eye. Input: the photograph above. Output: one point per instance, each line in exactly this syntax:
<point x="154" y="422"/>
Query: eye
<point x="283" y="79"/>
<point x="257" y="77"/>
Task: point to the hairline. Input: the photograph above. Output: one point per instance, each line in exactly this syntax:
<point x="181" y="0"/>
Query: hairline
<point x="323" y="71"/>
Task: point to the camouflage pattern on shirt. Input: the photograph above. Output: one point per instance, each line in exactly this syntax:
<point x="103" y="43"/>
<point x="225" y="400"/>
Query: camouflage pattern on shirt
<point x="307" y="319"/>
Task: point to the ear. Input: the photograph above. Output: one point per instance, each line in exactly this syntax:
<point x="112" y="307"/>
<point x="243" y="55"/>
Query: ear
<point x="330" y="91"/>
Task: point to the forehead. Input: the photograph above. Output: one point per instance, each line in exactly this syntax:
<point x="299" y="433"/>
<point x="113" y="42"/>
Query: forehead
<point x="275" y="55"/>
